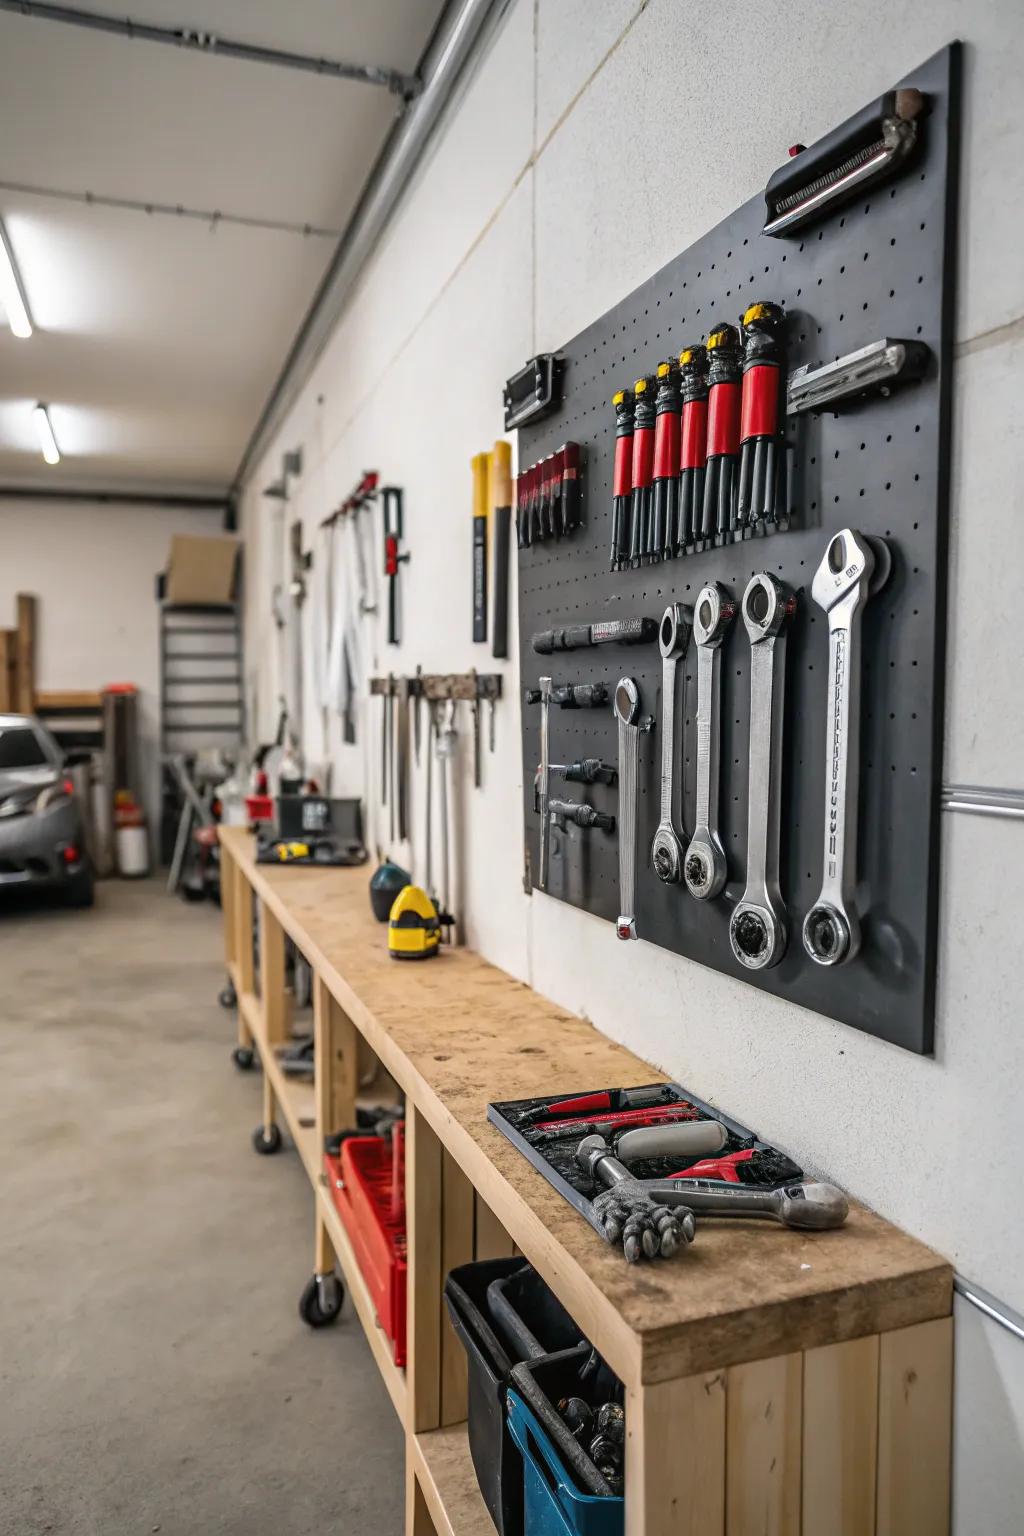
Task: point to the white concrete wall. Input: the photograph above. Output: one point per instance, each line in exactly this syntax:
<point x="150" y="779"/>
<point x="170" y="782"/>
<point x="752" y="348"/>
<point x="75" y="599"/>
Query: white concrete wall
<point x="593" y="143"/>
<point x="93" y="568"/>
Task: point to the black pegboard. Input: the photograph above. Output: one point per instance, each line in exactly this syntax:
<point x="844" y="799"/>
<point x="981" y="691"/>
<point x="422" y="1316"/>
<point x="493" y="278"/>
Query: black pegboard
<point x="880" y="266"/>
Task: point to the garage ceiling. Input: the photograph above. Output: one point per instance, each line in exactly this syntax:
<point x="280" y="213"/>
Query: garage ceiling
<point x="159" y="337"/>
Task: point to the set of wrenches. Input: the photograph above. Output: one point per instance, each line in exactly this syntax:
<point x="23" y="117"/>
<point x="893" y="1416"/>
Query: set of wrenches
<point x="853" y="568"/>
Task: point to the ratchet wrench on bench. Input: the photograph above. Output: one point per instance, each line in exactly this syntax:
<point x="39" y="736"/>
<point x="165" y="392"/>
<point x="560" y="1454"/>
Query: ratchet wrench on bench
<point x="704" y="867"/>
<point x="853" y="568"/>
<point x="627" y="713"/>
<point x="757" y="928"/>
<point x="673" y="639"/>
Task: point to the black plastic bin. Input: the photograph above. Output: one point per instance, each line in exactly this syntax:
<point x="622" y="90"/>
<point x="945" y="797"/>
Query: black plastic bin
<point x="491" y="1352"/>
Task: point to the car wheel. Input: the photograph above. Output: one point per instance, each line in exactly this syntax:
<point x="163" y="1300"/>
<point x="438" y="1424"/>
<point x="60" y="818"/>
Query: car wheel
<point x="80" y="891"/>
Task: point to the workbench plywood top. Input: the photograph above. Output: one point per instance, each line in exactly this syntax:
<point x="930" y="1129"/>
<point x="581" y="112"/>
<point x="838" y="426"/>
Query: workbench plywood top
<point x="459" y="1033"/>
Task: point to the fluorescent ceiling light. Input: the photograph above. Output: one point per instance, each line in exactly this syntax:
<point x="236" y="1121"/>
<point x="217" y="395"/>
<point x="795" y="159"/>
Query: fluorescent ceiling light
<point x="12" y="293"/>
<point x="44" y="431"/>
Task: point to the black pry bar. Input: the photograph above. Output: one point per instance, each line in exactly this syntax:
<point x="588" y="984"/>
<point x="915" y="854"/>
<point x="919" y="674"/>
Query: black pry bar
<point x="573" y="695"/>
<point x="576" y="637"/>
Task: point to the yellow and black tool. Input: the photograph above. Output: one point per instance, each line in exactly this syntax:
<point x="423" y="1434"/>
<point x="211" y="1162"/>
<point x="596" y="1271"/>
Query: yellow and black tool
<point x="288" y="851"/>
<point x="500" y="501"/>
<point x="479" y="464"/>
<point x="414" y="928"/>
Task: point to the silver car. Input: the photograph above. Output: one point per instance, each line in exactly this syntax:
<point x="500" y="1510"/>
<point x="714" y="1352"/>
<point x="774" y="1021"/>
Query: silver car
<point x="42" y="840"/>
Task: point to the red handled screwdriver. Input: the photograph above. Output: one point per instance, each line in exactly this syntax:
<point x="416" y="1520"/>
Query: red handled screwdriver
<point x="763" y="382"/>
<point x="622" y="480"/>
<point x="724" y="371"/>
<point x="642" y="470"/>
<point x="693" y="446"/>
<point x="665" y="494"/>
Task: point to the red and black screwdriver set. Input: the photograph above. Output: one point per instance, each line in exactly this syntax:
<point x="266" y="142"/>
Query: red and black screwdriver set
<point x="699" y="457"/>
<point x="549" y="498"/>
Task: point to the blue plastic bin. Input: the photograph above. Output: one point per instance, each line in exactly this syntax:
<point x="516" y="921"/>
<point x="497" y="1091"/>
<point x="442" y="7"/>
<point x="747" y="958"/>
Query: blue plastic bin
<point x="552" y="1504"/>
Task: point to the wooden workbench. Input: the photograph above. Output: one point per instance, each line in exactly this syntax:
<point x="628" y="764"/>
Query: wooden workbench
<point x="776" y="1382"/>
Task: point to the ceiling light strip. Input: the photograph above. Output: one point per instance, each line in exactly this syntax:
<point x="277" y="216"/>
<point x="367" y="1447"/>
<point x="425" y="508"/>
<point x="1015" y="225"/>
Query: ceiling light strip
<point x="12" y="291"/>
<point x="44" y="432"/>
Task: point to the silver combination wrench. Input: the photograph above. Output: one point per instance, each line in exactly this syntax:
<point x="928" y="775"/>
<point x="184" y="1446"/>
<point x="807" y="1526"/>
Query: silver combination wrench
<point x="627" y="713"/>
<point x="673" y="640"/>
<point x="704" y="867"/>
<point x="757" y="928"/>
<point x="853" y="568"/>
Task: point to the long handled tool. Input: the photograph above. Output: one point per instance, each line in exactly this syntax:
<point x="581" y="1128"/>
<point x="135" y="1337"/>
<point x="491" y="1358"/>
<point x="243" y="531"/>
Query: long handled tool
<point x="447" y="746"/>
<point x="501" y="523"/>
<point x="543" y="789"/>
<point x="394" y="556"/>
<point x="479" y="465"/>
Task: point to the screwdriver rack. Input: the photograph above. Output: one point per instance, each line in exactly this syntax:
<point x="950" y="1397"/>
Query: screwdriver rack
<point x="879" y="266"/>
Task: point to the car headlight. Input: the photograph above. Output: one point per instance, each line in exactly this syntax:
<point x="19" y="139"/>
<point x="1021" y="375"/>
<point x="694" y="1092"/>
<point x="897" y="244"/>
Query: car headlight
<point x="50" y="795"/>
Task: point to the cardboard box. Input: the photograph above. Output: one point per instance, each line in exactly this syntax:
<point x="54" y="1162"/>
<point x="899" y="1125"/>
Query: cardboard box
<point x="202" y="570"/>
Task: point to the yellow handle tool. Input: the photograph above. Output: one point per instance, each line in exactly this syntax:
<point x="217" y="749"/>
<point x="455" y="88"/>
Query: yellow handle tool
<point x="480" y="466"/>
<point x="501" y="524"/>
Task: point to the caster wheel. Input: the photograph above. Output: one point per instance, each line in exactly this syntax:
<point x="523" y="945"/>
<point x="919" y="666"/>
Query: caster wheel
<point x="266" y="1139"/>
<point x="227" y="997"/>
<point x="321" y="1300"/>
<point x="243" y="1057"/>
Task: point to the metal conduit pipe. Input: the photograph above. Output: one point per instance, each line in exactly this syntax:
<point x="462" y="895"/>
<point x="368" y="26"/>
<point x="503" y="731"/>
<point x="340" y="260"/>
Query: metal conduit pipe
<point x="197" y="40"/>
<point x="457" y="38"/>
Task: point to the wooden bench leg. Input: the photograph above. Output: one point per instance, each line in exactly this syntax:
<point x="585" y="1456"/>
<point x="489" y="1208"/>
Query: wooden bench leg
<point x="675" y="1457"/>
<point x="423" y="1238"/>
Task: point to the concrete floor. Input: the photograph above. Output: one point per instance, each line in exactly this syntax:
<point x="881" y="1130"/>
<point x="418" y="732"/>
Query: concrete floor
<point x="154" y="1372"/>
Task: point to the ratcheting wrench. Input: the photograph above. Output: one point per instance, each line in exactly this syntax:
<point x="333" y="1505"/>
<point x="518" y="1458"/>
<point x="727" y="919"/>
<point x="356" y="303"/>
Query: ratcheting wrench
<point x="673" y="639"/>
<point x="627" y="713"/>
<point x="705" y="868"/>
<point x="853" y="568"/>
<point x="757" y="928"/>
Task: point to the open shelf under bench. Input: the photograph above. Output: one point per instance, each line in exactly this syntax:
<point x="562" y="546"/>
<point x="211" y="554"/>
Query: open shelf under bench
<point x="740" y="1332"/>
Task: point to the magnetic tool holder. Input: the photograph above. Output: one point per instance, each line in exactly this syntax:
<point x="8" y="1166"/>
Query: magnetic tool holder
<point x="863" y="279"/>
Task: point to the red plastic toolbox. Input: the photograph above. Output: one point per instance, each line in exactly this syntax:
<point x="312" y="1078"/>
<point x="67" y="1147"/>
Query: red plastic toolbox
<point x="362" y="1189"/>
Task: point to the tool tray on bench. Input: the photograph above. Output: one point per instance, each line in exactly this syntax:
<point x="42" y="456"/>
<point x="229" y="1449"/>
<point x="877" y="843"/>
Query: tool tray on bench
<point x="766" y="1167"/>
